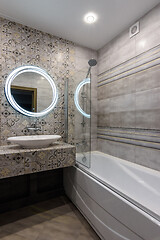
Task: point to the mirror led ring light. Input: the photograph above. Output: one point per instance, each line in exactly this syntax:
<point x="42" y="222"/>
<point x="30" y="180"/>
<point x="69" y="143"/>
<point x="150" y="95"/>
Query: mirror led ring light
<point x="76" y="96"/>
<point x="12" y="101"/>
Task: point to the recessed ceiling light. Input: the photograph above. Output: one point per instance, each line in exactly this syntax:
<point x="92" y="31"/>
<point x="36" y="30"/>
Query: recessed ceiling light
<point x="90" y="18"/>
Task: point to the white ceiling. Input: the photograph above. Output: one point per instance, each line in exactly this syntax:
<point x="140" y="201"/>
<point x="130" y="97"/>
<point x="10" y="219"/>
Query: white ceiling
<point x="64" y="18"/>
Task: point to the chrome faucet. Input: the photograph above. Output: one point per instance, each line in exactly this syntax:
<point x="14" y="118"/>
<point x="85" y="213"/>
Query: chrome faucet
<point x="34" y="127"/>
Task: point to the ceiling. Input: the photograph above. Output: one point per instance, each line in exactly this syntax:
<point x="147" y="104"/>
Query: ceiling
<point x="64" y="18"/>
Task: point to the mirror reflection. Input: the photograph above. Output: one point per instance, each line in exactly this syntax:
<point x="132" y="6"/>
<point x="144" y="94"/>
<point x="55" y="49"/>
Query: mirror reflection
<point x="32" y="91"/>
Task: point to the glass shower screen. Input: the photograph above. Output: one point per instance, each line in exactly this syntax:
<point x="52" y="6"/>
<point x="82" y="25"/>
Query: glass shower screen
<point x="79" y="119"/>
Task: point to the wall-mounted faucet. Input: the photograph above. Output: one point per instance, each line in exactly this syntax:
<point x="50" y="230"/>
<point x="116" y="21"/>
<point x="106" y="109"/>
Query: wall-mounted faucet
<point x="34" y="127"/>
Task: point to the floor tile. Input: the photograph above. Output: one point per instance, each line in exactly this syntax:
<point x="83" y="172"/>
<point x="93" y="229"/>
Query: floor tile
<point x="13" y="237"/>
<point x="55" y="219"/>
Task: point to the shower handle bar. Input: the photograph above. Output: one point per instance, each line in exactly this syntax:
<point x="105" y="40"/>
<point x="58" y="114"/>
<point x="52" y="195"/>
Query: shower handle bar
<point x="88" y="72"/>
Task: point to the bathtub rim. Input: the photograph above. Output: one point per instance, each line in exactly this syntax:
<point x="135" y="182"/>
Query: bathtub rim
<point x="136" y="165"/>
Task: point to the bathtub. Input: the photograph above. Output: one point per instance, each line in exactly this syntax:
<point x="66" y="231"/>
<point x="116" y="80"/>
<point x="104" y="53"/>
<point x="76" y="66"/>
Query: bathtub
<point x="121" y="200"/>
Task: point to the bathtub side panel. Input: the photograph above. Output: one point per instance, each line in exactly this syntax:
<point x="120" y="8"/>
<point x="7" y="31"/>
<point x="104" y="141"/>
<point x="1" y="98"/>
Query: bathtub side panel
<point x="107" y="227"/>
<point x="126" y="213"/>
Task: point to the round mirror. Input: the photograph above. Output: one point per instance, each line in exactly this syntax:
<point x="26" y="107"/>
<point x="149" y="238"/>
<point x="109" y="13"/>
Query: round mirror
<point x="31" y="91"/>
<point x="76" y="97"/>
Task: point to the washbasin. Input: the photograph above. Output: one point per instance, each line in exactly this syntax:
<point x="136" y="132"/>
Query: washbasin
<point x="34" y="141"/>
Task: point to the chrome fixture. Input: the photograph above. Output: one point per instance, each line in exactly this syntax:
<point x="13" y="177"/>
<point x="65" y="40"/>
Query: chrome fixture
<point x="83" y="123"/>
<point x="84" y="159"/>
<point x="92" y="62"/>
<point x="34" y="127"/>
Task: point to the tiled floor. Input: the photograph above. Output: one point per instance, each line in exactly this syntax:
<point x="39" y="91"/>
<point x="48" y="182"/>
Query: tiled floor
<point x="56" y="219"/>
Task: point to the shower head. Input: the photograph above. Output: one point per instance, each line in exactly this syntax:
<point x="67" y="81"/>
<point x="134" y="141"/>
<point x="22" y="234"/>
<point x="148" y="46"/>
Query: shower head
<point x="92" y="62"/>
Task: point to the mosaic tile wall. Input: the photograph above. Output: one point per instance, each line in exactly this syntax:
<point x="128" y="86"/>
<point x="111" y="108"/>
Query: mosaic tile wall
<point x="20" y="45"/>
<point x="129" y="94"/>
<point x="15" y="161"/>
<point x="63" y="60"/>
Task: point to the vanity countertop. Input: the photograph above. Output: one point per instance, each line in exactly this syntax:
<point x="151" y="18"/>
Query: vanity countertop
<point x="9" y="149"/>
<point x="15" y="161"/>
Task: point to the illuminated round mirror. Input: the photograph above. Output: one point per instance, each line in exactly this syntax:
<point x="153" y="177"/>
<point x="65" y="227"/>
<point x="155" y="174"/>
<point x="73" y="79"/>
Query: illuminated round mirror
<point x="76" y="97"/>
<point x="31" y="91"/>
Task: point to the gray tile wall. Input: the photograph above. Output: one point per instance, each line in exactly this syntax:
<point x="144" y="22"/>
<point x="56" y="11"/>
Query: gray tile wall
<point x="129" y="94"/>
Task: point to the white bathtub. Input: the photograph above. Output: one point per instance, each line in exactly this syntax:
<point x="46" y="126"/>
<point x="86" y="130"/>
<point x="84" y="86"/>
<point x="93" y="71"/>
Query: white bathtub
<point x="121" y="200"/>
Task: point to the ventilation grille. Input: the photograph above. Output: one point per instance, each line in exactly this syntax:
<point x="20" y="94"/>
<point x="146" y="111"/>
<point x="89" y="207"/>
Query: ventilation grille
<point x="134" y="29"/>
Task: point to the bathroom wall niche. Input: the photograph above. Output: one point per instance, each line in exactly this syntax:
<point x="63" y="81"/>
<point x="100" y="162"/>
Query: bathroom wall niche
<point x="31" y="91"/>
